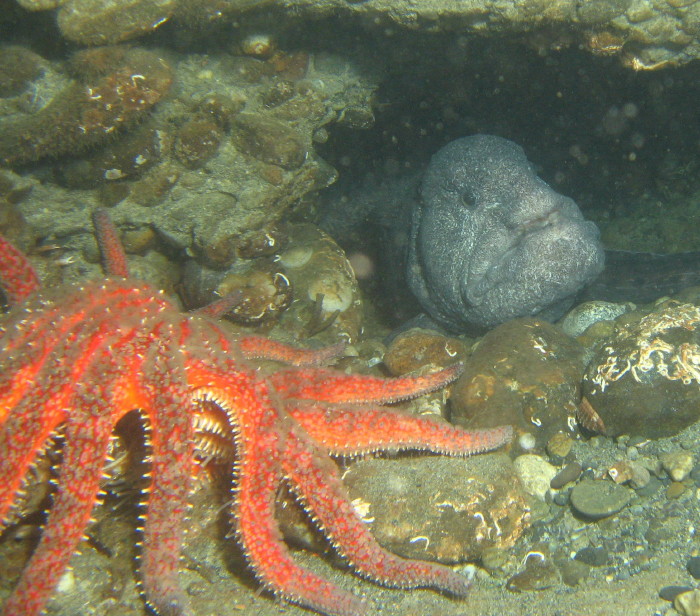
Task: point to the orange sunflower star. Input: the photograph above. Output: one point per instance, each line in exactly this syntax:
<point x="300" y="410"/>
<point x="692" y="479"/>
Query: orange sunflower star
<point x="79" y="358"/>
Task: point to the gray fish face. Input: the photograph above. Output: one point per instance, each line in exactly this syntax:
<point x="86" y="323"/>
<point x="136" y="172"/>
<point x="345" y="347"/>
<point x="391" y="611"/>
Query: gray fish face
<point x="490" y="241"/>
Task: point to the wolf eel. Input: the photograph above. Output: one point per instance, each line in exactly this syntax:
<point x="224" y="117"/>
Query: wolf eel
<point x="481" y="239"/>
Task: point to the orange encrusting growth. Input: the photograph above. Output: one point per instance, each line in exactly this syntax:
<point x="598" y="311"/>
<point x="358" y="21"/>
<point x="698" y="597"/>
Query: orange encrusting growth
<point x="78" y="359"/>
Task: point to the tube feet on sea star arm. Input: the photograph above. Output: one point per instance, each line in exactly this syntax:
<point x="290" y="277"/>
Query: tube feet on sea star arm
<point x="348" y="431"/>
<point x="79" y="483"/>
<point x="315" y="479"/>
<point x="336" y="387"/>
<point x="257" y="347"/>
<point x="262" y="541"/>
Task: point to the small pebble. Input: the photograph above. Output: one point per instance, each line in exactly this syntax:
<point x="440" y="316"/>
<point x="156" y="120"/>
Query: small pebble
<point x="675" y="490"/>
<point x="539" y="574"/>
<point x="599" y="499"/>
<point x="693" y="567"/>
<point x="669" y="593"/>
<point x="678" y="464"/>
<point x="566" y="475"/>
<point x="637" y="441"/>
<point x="650" y="488"/>
<point x="595" y="557"/>
<point x="535" y="474"/>
<point x="561" y="499"/>
<point x="573" y="572"/>
<point x="527" y="441"/>
<point x="559" y="445"/>
<point x="695" y="474"/>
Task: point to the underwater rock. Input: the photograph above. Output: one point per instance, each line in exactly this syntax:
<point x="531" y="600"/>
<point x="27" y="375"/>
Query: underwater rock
<point x="19" y="66"/>
<point x="643" y="35"/>
<point x="269" y="141"/>
<point x="597" y="499"/>
<point x="152" y="177"/>
<point x="581" y="317"/>
<point x="535" y="473"/>
<point x="197" y="141"/>
<point x="129" y="157"/>
<point x="491" y="241"/>
<point x="448" y="510"/>
<point x="415" y="348"/>
<point x="327" y="301"/>
<point x="644" y="380"/>
<point x="40" y="5"/>
<point x="116" y="87"/>
<point x="265" y="291"/>
<point x="105" y="22"/>
<point x="310" y="268"/>
<point x="539" y="573"/>
<point x="525" y="373"/>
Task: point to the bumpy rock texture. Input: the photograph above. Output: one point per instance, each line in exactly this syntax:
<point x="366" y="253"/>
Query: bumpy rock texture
<point x="450" y="513"/>
<point x="644" y="379"/>
<point x="645" y="34"/>
<point x="525" y="373"/>
<point x="491" y="241"/>
<point x="201" y="168"/>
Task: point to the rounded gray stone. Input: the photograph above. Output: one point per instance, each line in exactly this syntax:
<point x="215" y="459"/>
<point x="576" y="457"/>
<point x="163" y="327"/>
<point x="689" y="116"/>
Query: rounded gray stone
<point x="599" y="499"/>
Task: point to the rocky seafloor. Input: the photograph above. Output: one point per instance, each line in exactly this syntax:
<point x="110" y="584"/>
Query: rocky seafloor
<point x="220" y="139"/>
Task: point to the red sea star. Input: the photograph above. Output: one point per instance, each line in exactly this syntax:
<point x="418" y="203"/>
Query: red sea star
<point x="78" y="359"/>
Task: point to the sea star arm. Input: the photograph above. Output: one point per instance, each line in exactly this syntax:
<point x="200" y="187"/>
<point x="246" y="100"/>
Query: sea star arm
<point x="266" y="550"/>
<point x="261" y="431"/>
<point x="221" y="306"/>
<point x="256" y="347"/>
<point x="317" y="482"/>
<point x="17" y="276"/>
<point x="171" y="441"/>
<point x="87" y="434"/>
<point x="23" y="436"/>
<point x="337" y="387"/>
<point x="113" y="254"/>
<point x="31" y="410"/>
<point x="348" y="431"/>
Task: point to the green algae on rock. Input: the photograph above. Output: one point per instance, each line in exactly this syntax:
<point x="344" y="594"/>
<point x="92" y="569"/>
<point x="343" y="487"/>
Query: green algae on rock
<point x="644" y="379"/>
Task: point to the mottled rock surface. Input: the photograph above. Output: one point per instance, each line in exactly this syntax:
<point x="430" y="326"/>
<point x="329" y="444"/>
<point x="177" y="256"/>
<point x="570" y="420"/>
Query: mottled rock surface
<point x="525" y="373"/>
<point x="645" y="35"/>
<point x="200" y="179"/>
<point x="445" y="509"/>
<point x="303" y="289"/>
<point x="644" y="379"/>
